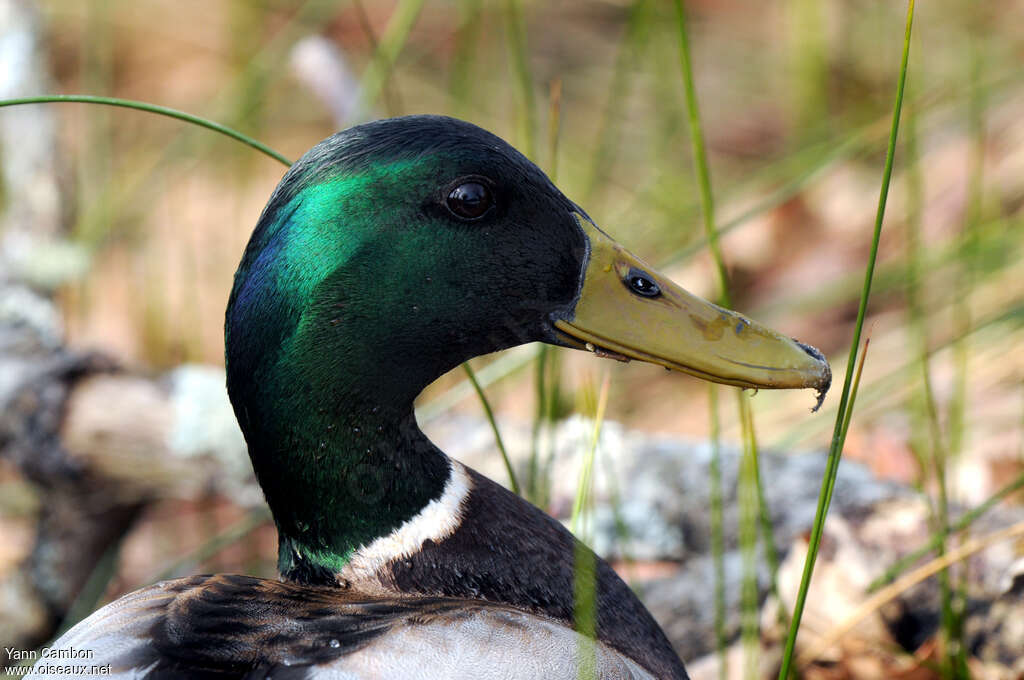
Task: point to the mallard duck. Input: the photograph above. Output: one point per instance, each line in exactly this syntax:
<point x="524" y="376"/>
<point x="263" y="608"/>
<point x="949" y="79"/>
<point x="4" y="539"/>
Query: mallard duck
<point x="387" y="255"/>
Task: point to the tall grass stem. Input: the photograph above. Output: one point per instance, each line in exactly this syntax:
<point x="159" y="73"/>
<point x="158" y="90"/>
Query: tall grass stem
<point x="392" y="41"/>
<point x="752" y="505"/>
<point x="585" y="567"/>
<point x="839" y="432"/>
<point x="700" y="157"/>
<point x="515" y="29"/>
<point x="717" y="531"/>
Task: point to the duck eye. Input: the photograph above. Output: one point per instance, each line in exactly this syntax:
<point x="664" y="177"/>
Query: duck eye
<point x="470" y="200"/>
<point x="641" y="283"/>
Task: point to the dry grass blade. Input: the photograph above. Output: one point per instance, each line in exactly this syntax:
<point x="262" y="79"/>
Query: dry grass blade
<point x="901" y="585"/>
<point x="963" y="523"/>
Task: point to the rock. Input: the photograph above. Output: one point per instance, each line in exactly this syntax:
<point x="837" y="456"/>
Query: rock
<point x="657" y="487"/>
<point x="652" y="504"/>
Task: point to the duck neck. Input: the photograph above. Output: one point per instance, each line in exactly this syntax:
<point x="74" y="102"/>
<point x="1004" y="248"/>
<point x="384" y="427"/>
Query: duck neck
<point x="341" y="463"/>
<point x="330" y="335"/>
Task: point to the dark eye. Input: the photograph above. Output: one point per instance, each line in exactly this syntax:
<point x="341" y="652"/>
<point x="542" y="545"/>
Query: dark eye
<point x="470" y="200"/>
<point x="641" y="283"/>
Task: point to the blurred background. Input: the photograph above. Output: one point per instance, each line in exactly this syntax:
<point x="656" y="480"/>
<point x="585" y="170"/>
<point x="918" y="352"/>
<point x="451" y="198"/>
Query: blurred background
<point x="135" y="235"/>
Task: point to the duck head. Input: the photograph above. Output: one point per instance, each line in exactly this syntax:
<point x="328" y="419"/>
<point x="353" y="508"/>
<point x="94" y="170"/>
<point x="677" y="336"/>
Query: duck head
<point x="395" y="250"/>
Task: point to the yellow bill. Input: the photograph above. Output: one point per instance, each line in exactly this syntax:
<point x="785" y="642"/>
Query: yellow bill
<point x="627" y="310"/>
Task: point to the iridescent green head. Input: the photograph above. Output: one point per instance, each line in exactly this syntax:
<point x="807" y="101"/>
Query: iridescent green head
<point x="393" y="251"/>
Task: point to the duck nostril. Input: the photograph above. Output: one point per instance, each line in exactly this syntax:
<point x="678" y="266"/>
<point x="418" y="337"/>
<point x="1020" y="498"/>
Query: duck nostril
<point x="642" y="283"/>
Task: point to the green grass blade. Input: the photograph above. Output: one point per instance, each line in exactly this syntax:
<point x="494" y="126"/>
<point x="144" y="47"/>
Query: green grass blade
<point x="465" y="56"/>
<point x="91" y="592"/>
<point x="263" y="148"/>
<point x="717" y="531"/>
<point x="700" y="157"/>
<point x="489" y="412"/>
<point x="856" y="386"/>
<point x="900" y="375"/>
<point x="711" y="234"/>
<point x="747" y="534"/>
<point x="515" y="30"/>
<point x="763" y="515"/>
<point x="582" y="500"/>
<point x="547" y="373"/>
<point x="502" y="367"/>
<point x="629" y="51"/>
<point x="585" y="567"/>
<point x="392" y="103"/>
<point x="140" y="178"/>
<point x="392" y="41"/>
<point x="534" y="477"/>
<point x="838" y="438"/>
<point x="150" y="108"/>
<point x="515" y="39"/>
<point x="554" y="127"/>
<point x="213" y="545"/>
<point x="754" y="515"/>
